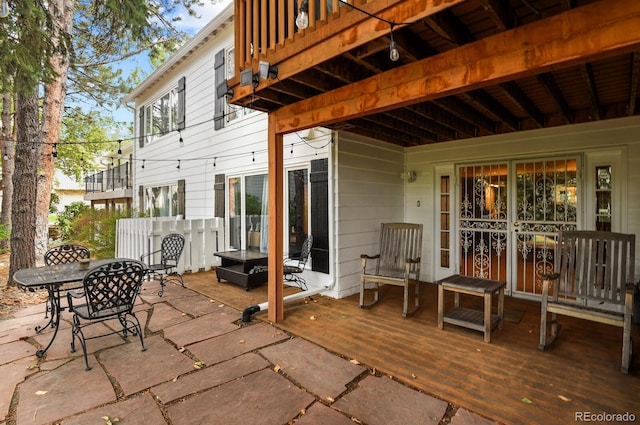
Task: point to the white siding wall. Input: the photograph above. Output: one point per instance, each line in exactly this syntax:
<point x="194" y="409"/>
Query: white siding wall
<point x="235" y="146"/>
<point x="369" y="190"/>
<point x="622" y="136"/>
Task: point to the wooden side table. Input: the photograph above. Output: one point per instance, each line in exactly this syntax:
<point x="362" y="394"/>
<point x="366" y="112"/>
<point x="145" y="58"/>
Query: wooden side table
<point x="483" y="321"/>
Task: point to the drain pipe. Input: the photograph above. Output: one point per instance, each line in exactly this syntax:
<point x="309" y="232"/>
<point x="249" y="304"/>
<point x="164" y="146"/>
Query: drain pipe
<point x="249" y="311"/>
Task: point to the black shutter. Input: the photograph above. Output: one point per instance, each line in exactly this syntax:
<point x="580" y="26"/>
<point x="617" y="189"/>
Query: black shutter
<point x="141" y="199"/>
<point x="181" y="103"/>
<point x="181" y="198"/>
<point x="218" y="190"/>
<point x="141" y="127"/>
<point x="319" y="179"/>
<point x="219" y="102"/>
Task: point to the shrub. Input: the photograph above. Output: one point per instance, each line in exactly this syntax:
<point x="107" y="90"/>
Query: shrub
<point x="67" y="216"/>
<point x="96" y="229"/>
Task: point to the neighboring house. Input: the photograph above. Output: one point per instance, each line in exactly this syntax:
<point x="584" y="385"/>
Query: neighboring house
<point x="67" y="189"/>
<point x="439" y="139"/>
<point x="112" y="188"/>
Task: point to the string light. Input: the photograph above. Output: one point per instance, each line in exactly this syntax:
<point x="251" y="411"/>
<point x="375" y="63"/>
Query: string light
<point x="55" y="150"/>
<point x="253" y="154"/>
<point x="143" y="164"/>
<point x="178" y="167"/>
<point x="119" y="148"/>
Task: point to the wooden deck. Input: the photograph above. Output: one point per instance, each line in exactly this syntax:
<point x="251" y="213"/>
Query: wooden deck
<point x="508" y="380"/>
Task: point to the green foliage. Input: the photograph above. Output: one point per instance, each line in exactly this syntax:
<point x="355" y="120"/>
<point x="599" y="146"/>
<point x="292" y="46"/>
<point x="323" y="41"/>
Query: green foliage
<point x="54" y="201"/>
<point x="82" y="139"/>
<point x="95" y="229"/>
<point x="66" y="218"/>
<point x="5" y="233"/>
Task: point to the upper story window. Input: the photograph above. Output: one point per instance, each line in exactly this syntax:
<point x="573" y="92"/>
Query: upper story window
<point x="163" y="115"/>
<point x="224" y="69"/>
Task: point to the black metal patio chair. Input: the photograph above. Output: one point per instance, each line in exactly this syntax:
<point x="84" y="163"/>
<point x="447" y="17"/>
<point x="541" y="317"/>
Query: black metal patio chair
<point x="110" y="292"/>
<point x="166" y="269"/>
<point x="295" y="265"/>
<point x="63" y="254"/>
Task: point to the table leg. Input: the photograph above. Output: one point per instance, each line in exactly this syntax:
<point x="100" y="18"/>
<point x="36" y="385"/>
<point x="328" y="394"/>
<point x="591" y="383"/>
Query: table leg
<point x="487" y="317"/>
<point x="54" y="321"/>
<point x="440" y="307"/>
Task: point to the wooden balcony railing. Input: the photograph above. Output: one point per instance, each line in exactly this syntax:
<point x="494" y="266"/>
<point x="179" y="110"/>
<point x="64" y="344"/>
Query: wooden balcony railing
<point x="262" y="26"/>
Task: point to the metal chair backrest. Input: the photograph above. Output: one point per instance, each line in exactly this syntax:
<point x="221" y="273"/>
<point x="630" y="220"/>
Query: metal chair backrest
<point x="306" y="251"/>
<point x="110" y="289"/>
<point x="68" y="253"/>
<point x="171" y="249"/>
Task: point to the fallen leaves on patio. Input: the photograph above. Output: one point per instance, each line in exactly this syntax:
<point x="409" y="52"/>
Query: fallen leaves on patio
<point x="563" y="398"/>
<point x="354" y="361"/>
<point x="41" y="392"/>
<point x="277" y="368"/>
<point x="525" y="400"/>
<point x="199" y="365"/>
<point x="109" y="421"/>
<point x="312" y="318"/>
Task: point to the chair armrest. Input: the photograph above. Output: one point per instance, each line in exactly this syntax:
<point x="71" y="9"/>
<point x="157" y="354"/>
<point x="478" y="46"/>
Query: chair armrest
<point x="70" y="296"/>
<point x="364" y="258"/>
<point x="149" y="254"/>
<point x="413" y="260"/>
<point x="550" y="276"/>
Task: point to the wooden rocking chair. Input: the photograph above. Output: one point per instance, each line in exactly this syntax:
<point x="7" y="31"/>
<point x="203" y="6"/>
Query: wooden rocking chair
<point x="592" y="280"/>
<point x="398" y="260"/>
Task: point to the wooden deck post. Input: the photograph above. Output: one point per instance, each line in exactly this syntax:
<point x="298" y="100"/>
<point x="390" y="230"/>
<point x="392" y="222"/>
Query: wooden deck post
<point x="276" y="223"/>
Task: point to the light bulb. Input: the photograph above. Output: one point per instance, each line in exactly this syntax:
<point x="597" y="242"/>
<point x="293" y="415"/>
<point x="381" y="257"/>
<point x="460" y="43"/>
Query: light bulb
<point x="302" y="21"/>
<point x="4" y="8"/>
<point x="394" y="55"/>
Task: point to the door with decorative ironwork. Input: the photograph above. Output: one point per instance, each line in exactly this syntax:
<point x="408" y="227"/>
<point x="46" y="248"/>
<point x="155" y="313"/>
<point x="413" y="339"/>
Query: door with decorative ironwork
<point x="509" y="216"/>
<point x="546" y="201"/>
<point x="484" y="221"/>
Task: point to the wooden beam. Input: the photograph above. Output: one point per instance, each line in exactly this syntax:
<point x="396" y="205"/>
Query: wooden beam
<point x="481" y="100"/>
<point x="551" y="87"/>
<point x="594" y="31"/>
<point x="634" y="82"/>
<point x="589" y="81"/>
<point x="458" y="108"/>
<point x="449" y="28"/>
<point x="275" y="288"/>
<point x="515" y="93"/>
<point x="500" y="12"/>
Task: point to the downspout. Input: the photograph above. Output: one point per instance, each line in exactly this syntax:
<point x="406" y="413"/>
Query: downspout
<point x="249" y="311"/>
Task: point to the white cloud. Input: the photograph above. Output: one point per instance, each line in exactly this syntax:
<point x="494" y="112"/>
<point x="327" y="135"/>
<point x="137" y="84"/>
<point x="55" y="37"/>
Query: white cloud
<point x="205" y="13"/>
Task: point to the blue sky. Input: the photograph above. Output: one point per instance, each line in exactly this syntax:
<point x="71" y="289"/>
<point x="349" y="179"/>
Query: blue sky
<point x="189" y="24"/>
